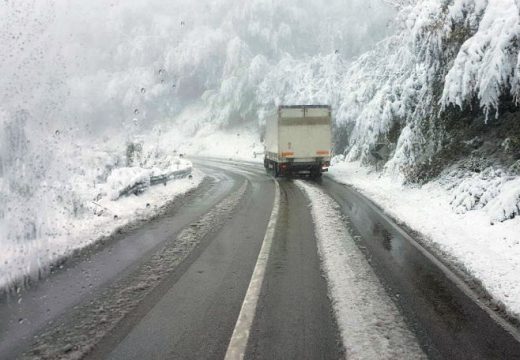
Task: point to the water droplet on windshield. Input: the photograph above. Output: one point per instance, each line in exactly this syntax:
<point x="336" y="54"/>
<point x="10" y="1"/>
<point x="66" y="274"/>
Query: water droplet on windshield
<point x="143" y="90"/>
<point x="136" y="111"/>
<point x="57" y="132"/>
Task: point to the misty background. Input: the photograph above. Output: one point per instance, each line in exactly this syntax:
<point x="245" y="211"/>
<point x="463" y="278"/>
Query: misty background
<point x="88" y="88"/>
<point x="80" y="80"/>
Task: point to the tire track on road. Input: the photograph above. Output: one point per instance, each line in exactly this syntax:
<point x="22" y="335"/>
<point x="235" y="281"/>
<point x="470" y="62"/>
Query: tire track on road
<point x="77" y="334"/>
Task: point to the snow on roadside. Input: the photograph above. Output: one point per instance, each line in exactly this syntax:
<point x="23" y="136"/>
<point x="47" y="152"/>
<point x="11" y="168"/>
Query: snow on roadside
<point x="489" y="253"/>
<point x="107" y="216"/>
<point x="241" y="144"/>
<point x="370" y="323"/>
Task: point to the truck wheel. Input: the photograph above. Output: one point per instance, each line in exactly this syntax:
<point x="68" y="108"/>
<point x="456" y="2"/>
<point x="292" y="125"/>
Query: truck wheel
<point x="315" y="173"/>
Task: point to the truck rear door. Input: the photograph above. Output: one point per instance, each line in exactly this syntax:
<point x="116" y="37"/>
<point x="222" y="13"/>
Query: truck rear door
<point x="305" y="133"/>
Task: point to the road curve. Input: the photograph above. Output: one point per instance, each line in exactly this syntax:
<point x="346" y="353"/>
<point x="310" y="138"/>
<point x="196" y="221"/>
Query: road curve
<point x="80" y="280"/>
<point x="446" y="315"/>
<point x="174" y="287"/>
<point x="196" y="317"/>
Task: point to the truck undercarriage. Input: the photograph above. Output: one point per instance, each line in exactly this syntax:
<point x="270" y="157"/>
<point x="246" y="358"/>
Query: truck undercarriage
<point x="289" y="168"/>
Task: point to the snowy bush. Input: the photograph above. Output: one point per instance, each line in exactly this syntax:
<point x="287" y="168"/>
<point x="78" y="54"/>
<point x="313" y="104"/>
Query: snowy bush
<point x="476" y="191"/>
<point x="506" y="205"/>
<point x="492" y="190"/>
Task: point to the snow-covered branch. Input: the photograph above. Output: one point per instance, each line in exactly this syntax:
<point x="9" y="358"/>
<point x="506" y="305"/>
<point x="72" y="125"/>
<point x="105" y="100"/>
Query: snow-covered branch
<point x="399" y="4"/>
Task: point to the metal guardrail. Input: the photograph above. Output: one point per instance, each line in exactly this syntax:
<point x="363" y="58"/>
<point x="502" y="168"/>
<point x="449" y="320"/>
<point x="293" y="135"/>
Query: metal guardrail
<point x="141" y="186"/>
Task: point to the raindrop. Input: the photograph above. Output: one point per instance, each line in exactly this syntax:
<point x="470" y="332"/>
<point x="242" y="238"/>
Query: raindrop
<point x="57" y="132"/>
<point x="20" y="321"/>
<point x="136" y="111"/>
<point x="143" y="90"/>
<point x="174" y="86"/>
<point x="161" y="71"/>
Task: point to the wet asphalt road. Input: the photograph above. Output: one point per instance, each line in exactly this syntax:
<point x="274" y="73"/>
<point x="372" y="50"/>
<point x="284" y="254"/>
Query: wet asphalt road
<point x="196" y="317"/>
<point x="294" y="318"/>
<point x="191" y="315"/>
<point x="81" y="279"/>
<point x="448" y="318"/>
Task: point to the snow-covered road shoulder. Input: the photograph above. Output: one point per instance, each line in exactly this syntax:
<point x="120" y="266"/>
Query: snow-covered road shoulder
<point x="370" y="323"/>
<point x="487" y="252"/>
<point x="116" y="209"/>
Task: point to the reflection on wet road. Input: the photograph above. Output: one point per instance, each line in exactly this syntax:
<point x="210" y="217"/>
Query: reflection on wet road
<point x="438" y="306"/>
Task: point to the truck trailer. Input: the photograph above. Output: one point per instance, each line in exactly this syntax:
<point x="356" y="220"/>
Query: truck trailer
<point x="298" y="140"/>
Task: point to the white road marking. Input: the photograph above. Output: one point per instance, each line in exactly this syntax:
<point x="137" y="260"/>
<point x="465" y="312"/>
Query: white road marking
<point x="238" y="343"/>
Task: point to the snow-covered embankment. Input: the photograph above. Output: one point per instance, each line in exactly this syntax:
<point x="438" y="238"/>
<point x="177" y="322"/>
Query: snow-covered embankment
<point x="473" y="241"/>
<point x="101" y="206"/>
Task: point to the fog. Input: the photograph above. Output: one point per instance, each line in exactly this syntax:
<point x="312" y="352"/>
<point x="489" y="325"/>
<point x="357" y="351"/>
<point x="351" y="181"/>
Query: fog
<point x="80" y="79"/>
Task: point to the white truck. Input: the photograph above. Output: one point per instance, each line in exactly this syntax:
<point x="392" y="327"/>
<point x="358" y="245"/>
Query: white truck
<point x="298" y="140"/>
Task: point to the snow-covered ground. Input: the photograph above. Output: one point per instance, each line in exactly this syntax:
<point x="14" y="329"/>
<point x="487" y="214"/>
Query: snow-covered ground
<point x="370" y="323"/>
<point x="474" y="241"/>
<point x="187" y="136"/>
<point x="129" y="194"/>
<point x="234" y="144"/>
<point x="79" y="80"/>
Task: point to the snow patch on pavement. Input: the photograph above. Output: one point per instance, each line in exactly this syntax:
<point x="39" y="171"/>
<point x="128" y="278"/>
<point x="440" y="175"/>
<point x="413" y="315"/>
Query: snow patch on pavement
<point x="475" y="240"/>
<point x="370" y="323"/>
